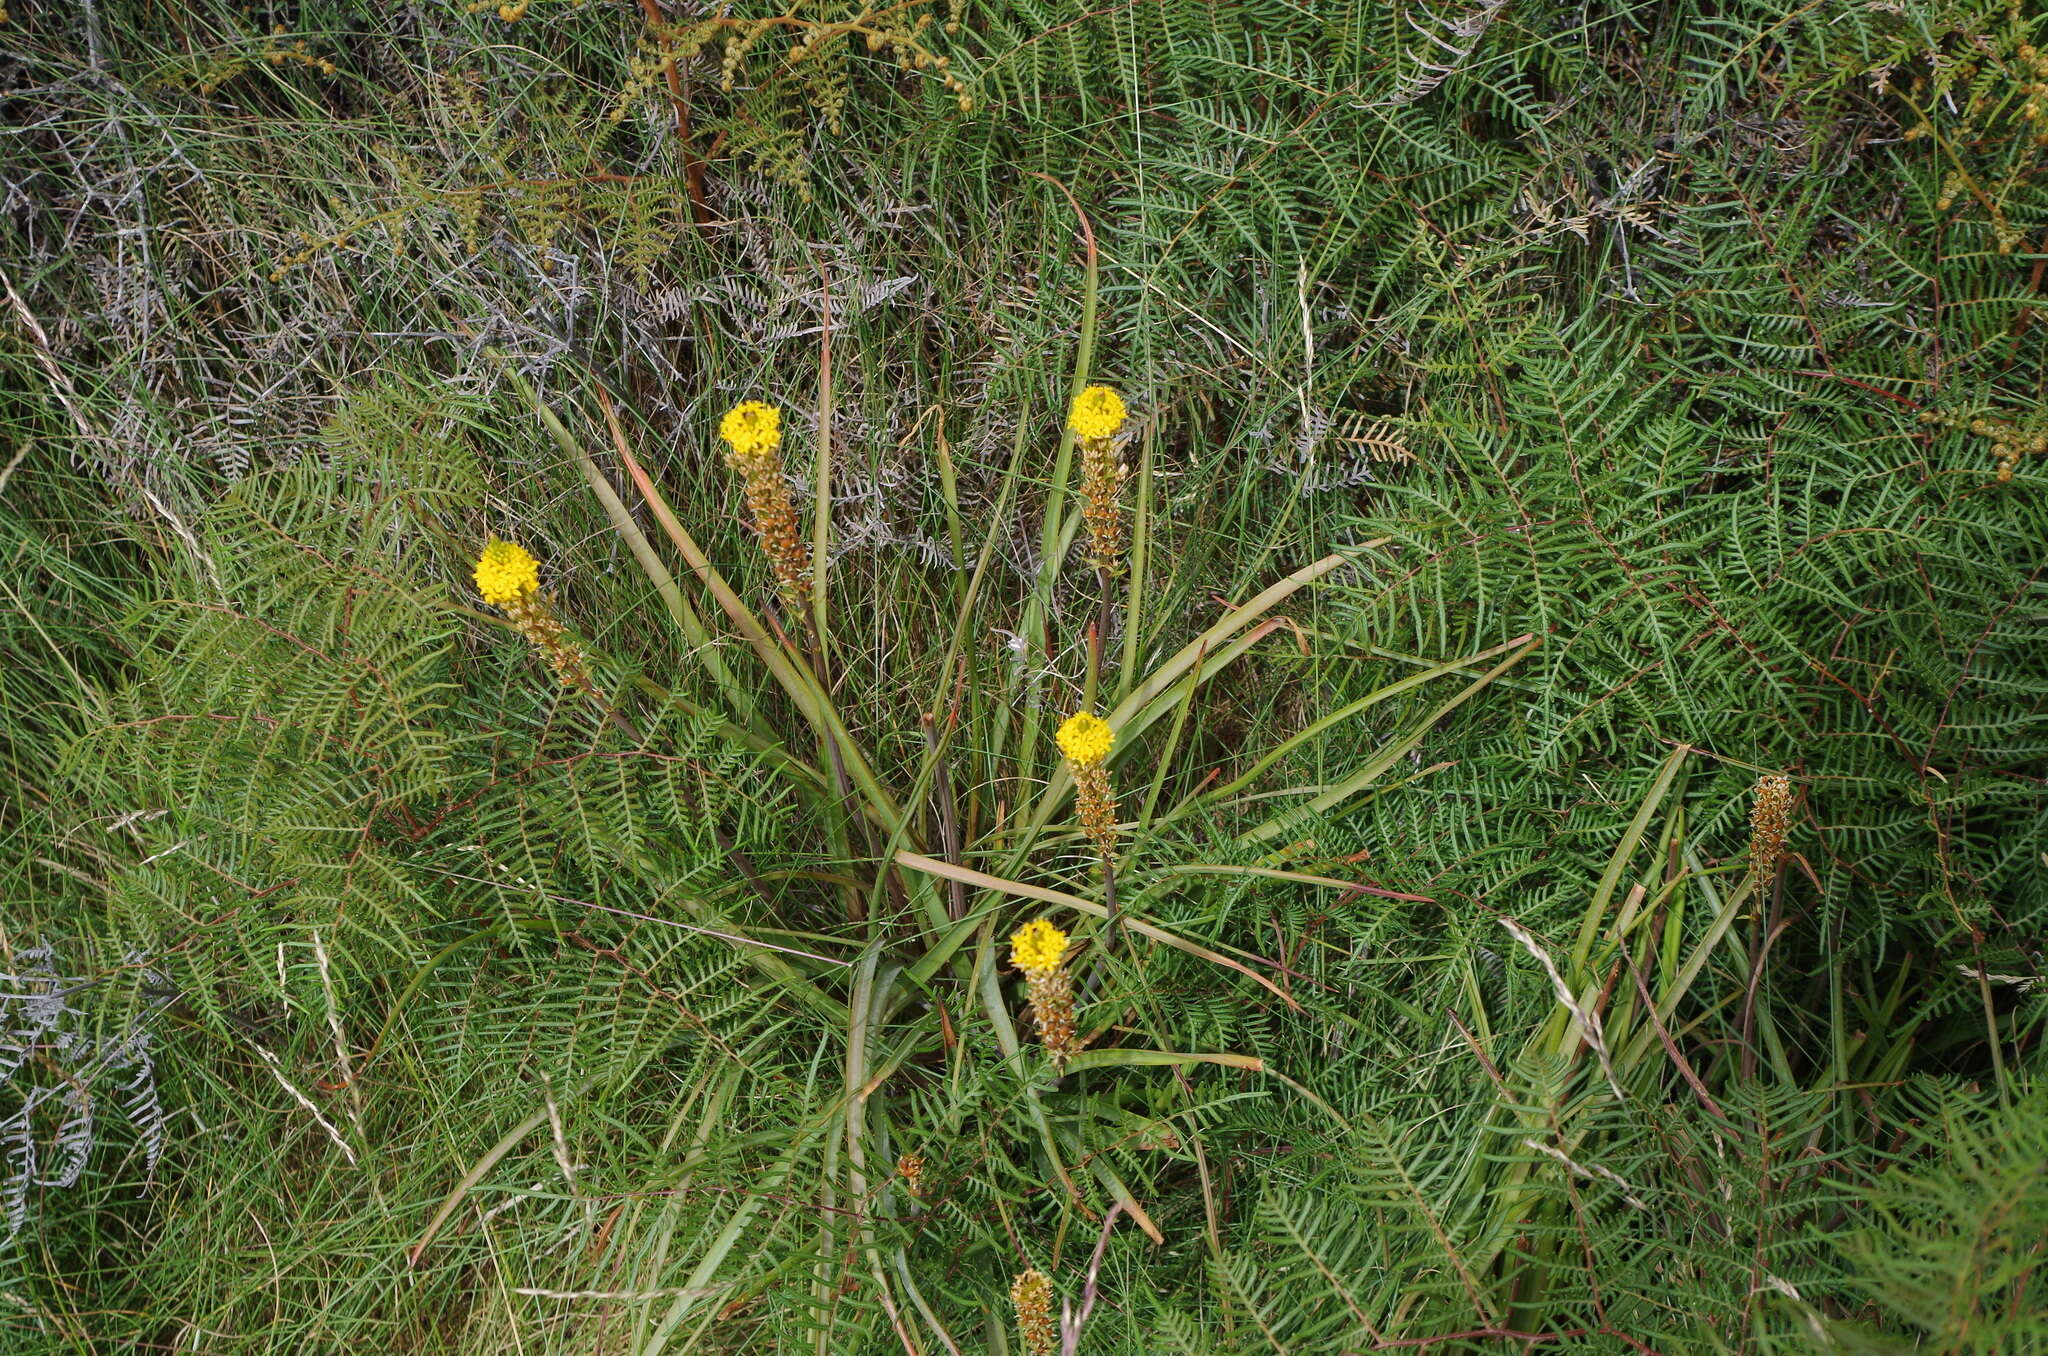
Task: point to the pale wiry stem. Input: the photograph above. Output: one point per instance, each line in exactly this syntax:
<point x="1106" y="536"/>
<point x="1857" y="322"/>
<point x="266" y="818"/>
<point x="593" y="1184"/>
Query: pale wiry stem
<point x="277" y="1072"/>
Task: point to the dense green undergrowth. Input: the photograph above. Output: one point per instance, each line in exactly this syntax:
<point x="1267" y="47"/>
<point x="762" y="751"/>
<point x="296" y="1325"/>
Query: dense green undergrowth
<point x="1549" y="424"/>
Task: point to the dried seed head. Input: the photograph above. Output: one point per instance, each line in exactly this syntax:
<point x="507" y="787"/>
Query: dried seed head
<point x="910" y="1168"/>
<point x="1102" y="479"/>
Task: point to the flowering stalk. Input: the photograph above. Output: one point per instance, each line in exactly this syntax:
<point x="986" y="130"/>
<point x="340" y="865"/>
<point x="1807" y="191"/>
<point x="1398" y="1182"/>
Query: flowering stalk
<point x="1098" y="412"/>
<point x="1038" y="949"/>
<point x="1770" y="817"/>
<point x="753" y="436"/>
<point x="508" y="577"/>
<point x="1085" y="740"/>
<point x="1031" y="1296"/>
<point x="910" y="1170"/>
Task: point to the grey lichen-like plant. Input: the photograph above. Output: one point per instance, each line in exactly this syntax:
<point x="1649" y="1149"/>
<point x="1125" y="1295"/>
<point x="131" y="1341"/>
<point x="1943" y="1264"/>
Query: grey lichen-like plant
<point x="52" y="1074"/>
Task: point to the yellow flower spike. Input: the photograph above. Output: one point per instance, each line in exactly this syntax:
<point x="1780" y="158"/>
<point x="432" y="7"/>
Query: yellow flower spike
<point x="1031" y="1296"/>
<point x="1037" y="949"/>
<point x="1086" y="739"/>
<point x="752" y="428"/>
<point x="753" y="432"/>
<point x="506" y="572"/>
<point x="508" y="577"/>
<point x="1038" y="945"/>
<point x="1098" y="413"/>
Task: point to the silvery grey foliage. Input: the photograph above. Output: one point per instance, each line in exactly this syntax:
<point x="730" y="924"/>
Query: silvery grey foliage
<point x="1323" y="479"/>
<point x="56" y="1074"/>
<point x="1447" y="41"/>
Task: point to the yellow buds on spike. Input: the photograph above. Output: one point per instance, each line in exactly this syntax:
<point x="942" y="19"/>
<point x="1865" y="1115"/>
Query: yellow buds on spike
<point x="1031" y="1296"/>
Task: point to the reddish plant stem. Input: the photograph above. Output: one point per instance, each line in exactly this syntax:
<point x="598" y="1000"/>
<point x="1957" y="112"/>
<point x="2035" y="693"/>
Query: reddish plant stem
<point x="693" y="168"/>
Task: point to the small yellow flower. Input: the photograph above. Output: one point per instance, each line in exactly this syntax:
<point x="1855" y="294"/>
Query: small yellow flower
<point x="1086" y="739"/>
<point x="1098" y="413"/>
<point x="505" y="573"/>
<point x="1038" y="945"/>
<point x="752" y="428"/>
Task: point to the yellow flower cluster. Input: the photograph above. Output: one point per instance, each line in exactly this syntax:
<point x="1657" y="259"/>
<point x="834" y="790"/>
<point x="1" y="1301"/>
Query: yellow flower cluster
<point x="1086" y="739"/>
<point x="753" y="428"/>
<point x="1098" y="413"/>
<point x="1038" y="945"/>
<point x="506" y="572"/>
